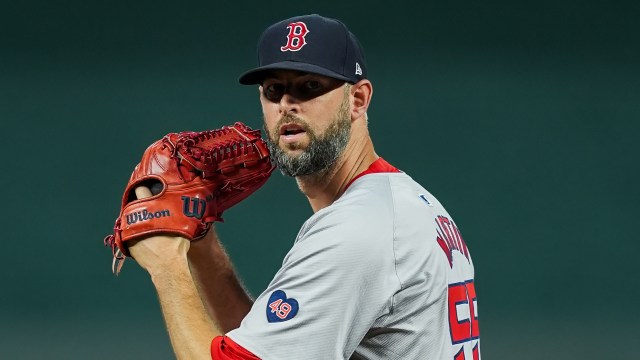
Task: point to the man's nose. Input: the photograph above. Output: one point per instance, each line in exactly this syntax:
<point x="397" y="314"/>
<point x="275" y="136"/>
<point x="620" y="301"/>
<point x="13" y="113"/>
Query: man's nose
<point x="289" y="103"/>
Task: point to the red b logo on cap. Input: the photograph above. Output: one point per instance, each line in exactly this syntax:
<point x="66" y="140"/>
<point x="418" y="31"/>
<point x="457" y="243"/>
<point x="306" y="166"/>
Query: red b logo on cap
<point x="295" y="39"/>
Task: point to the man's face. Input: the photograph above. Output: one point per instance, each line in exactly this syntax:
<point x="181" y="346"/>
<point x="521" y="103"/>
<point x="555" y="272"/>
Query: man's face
<point x="307" y="120"/>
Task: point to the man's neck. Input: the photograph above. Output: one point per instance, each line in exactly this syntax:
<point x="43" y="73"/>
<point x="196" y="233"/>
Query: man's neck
<point x="324" y="188"/>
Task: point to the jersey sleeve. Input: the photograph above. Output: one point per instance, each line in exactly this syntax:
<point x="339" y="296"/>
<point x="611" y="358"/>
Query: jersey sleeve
<point x="337" y="281"/>
<point x="223" y="348"/>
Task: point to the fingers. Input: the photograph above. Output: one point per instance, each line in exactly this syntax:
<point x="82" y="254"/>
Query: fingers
<point x="143" y="192"/>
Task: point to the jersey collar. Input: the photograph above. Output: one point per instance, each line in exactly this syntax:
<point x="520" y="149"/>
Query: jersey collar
<point x="378" y="166"/>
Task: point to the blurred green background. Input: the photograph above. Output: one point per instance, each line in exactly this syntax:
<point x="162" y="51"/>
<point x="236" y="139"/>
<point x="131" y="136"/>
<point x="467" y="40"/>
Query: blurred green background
<point x="522" y="117"/>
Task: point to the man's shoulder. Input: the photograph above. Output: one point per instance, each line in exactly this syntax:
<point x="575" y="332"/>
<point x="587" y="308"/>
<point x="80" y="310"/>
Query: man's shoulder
<point x="367" y="208"/>
<point x="363" y="214"/>
<point x="369" y="200"/>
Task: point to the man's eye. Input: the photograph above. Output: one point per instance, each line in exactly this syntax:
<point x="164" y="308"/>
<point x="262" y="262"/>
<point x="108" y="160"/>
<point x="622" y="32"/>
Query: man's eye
<point x="274" y="92"/>
<point x="312" y="85"/>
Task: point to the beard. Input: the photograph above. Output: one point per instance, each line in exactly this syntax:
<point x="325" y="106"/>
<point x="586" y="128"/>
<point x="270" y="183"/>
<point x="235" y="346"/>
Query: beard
<point x="322" y="152"/>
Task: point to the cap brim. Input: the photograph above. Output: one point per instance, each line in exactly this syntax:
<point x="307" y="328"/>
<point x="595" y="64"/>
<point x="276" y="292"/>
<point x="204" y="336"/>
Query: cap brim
<point x="255" y="76"/>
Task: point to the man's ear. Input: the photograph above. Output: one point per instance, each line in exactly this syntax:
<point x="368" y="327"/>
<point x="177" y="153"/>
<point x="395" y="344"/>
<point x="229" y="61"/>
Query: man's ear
<point x="361" y="92"/>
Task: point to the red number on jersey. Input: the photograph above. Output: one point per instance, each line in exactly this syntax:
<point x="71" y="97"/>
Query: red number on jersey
<point x="275" y="305"/>
<point x="474" y="351"/>
<point x="280" y="309"/>
<point x="463" y="326"/>
<point x="284" y="310"/>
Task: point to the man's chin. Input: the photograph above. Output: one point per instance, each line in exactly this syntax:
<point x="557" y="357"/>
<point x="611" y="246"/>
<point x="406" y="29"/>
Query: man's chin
<point x="293" y="148"/>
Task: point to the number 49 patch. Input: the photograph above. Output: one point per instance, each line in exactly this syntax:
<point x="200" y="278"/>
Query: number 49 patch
<point x="279" y="308"/>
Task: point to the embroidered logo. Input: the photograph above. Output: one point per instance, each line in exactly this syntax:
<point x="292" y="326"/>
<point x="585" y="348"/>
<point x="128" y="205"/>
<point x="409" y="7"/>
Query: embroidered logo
<point x="193" y="207"/>
<point x="279" y="308"/>
<point x="449" y="239"/>
<point x="358" y="69"/>
<point x="296" y="37"/>
<point x="144" y="215"/>
<point x="423" y="197"/>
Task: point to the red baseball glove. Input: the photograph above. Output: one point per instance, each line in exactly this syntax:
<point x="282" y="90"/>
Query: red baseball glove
<point x="194" y="177"/>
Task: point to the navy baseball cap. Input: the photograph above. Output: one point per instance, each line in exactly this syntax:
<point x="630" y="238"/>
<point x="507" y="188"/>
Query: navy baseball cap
<point x="309" y="43"/>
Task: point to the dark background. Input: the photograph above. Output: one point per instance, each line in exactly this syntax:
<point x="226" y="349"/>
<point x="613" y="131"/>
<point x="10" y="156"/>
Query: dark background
<point x="522" y="117"/>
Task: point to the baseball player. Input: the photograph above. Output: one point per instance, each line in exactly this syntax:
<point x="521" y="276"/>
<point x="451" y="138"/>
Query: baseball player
<point x="379" y="271"/>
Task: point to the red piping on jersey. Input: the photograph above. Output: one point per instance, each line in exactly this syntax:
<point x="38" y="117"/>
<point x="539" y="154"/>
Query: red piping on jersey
<point x="223" y="348"/>
<point x="378" y="166"/>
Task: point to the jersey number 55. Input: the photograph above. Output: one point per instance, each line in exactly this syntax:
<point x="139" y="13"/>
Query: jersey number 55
<point x="463" y="316"/>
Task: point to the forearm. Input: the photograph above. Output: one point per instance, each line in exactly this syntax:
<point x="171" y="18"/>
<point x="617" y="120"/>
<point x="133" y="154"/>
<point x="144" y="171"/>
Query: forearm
<point x="190" y="328"/>
<point x="220" y="289"/>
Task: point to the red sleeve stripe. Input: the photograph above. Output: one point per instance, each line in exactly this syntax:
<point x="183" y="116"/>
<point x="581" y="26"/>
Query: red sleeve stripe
<point x="223" y="348"/>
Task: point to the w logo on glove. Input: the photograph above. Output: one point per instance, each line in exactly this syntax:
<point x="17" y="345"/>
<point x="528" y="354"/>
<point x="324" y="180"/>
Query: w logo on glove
<point x="193" y="207"/>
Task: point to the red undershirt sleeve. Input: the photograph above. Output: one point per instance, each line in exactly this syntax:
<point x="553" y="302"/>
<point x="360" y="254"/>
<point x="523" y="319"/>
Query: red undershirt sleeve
<point x="223" y="348"/>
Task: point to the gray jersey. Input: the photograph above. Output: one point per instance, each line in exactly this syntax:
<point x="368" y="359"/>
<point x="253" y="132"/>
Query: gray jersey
<point x="382" y="273"/>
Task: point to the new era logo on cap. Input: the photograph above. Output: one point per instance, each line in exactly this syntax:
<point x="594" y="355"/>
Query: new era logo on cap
<point x="309" y="43"/>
